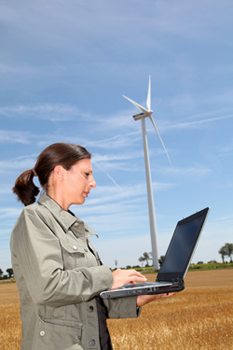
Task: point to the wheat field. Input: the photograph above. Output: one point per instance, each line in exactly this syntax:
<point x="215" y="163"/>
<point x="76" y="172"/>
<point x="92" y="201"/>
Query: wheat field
<point x="198" y="318"/>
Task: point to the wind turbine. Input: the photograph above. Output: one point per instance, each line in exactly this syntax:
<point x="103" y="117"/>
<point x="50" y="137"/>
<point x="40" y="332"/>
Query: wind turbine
<point x="148" y="113"/>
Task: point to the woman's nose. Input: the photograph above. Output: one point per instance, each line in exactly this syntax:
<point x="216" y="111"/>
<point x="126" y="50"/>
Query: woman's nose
<point x="92" y="183"/>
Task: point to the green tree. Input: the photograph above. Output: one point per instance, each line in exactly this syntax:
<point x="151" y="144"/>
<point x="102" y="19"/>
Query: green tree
<point x="141" y="260"/>
<point x="223" y="253"/>
<point x="226" y="250"/>
<point x="145" y="257"/>
<point x="10" y="272"/>
<point x="161" y="260"/>
<point x="229" y="250"/>
<point x="1" y="272"/>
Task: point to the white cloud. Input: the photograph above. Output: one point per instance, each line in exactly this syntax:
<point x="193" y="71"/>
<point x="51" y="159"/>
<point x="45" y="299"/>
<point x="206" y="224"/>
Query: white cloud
<point x="190" y="172"/>
<point x="117" y="141"/>
<point x="113" y="200"/>
<point x="26" y="162"/>
<point x="53" y="112"/>
<point x="195" y="123"/>
<point x="11" y="136"/>
<point x="120" y="156"/>
<point x="41" y="140"/>
<point x="9" y="212"/>
<point x="226" y="150"/>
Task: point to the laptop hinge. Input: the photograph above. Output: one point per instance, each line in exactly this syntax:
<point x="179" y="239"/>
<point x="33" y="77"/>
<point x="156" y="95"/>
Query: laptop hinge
<point x="178" y="280"/>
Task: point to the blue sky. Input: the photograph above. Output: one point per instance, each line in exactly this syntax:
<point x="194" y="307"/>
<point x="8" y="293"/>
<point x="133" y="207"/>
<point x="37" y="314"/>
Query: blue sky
<point x="64" y="66"/>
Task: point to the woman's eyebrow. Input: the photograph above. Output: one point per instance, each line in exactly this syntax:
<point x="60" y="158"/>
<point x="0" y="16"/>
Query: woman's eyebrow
<point x="89" y="170"/>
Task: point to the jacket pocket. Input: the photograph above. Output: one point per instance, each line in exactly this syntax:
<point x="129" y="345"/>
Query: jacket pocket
<point x="73" y="255"/>
<point x="58" y="335"/>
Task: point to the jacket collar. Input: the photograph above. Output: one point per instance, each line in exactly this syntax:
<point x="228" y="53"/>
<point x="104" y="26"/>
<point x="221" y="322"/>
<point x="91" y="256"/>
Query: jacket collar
<point x="65" y="218"/>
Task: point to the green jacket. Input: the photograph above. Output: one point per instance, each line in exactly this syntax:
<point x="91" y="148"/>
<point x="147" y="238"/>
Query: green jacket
<point x="58" y="278"/>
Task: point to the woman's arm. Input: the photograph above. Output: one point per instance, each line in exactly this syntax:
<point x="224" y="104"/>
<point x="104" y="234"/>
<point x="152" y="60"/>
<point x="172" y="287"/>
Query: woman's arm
<point x="145" y="299"/>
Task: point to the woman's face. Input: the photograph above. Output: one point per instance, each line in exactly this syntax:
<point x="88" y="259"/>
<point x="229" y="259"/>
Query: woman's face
<point x="78" y="181"/>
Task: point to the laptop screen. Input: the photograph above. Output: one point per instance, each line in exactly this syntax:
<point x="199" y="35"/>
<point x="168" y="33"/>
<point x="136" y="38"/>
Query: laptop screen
<point x="183" y="244"/>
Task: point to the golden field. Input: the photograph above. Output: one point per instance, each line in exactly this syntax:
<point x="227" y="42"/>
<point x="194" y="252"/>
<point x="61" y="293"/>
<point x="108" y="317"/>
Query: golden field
<point x="198" y="318"/>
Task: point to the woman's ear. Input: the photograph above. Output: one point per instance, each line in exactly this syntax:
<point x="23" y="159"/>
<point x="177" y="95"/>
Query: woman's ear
<point x="59" y="172"/>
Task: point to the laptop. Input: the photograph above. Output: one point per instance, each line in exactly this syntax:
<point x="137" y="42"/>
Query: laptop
<point x="175" y="264"/>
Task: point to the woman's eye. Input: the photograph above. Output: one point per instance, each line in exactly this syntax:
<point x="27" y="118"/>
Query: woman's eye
<point x="87" y="174"/>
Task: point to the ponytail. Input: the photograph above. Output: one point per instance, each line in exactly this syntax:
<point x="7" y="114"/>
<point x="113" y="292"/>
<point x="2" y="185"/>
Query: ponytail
<point x="25" y="189"/>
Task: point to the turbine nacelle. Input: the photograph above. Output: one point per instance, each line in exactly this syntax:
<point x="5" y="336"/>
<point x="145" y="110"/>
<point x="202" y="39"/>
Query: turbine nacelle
<point x="142" y="115"/>
<point x="144" y="112"/>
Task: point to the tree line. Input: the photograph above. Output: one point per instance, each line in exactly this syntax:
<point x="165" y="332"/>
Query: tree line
<point x="225" y="251"/>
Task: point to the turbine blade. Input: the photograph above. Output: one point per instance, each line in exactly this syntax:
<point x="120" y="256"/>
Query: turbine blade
<point x="148" y="101"/>
<point x="144" y="110"/>
<point x="160" y="138"/>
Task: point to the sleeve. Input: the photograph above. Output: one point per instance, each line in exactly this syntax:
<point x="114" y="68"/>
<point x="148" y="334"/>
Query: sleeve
<point x="39" y="256"/>
<point x="122" y="307"/>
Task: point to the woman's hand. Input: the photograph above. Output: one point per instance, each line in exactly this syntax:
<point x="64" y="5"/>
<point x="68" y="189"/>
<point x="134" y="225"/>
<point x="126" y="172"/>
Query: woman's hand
<point x="145" y="299"/>
<point x="122" y="277"/>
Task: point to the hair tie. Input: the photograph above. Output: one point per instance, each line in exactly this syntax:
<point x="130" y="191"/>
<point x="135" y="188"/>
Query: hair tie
<point x="34" y="172"/>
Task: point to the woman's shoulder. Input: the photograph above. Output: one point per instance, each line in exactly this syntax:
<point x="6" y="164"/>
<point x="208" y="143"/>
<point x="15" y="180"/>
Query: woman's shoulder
<point x="28" y="217"/>
<point x="33" y="212"/>
<point x="32" y="209"/>
<point x="33" y="216"/>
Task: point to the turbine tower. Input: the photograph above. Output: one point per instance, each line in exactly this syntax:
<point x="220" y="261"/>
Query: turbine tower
<point x="148" y="113"/>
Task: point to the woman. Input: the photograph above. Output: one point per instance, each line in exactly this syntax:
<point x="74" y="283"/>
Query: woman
<point x="57" y="270"/>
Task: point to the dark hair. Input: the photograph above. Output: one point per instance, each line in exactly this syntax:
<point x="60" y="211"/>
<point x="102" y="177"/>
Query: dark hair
<point x="64" y="154"/>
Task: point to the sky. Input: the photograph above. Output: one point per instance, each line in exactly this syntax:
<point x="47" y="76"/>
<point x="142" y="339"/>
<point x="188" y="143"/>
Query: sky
<point x="64" y="68"/>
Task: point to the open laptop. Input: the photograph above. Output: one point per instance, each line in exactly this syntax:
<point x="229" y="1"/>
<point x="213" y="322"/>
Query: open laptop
<point x="176" y="262"/>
